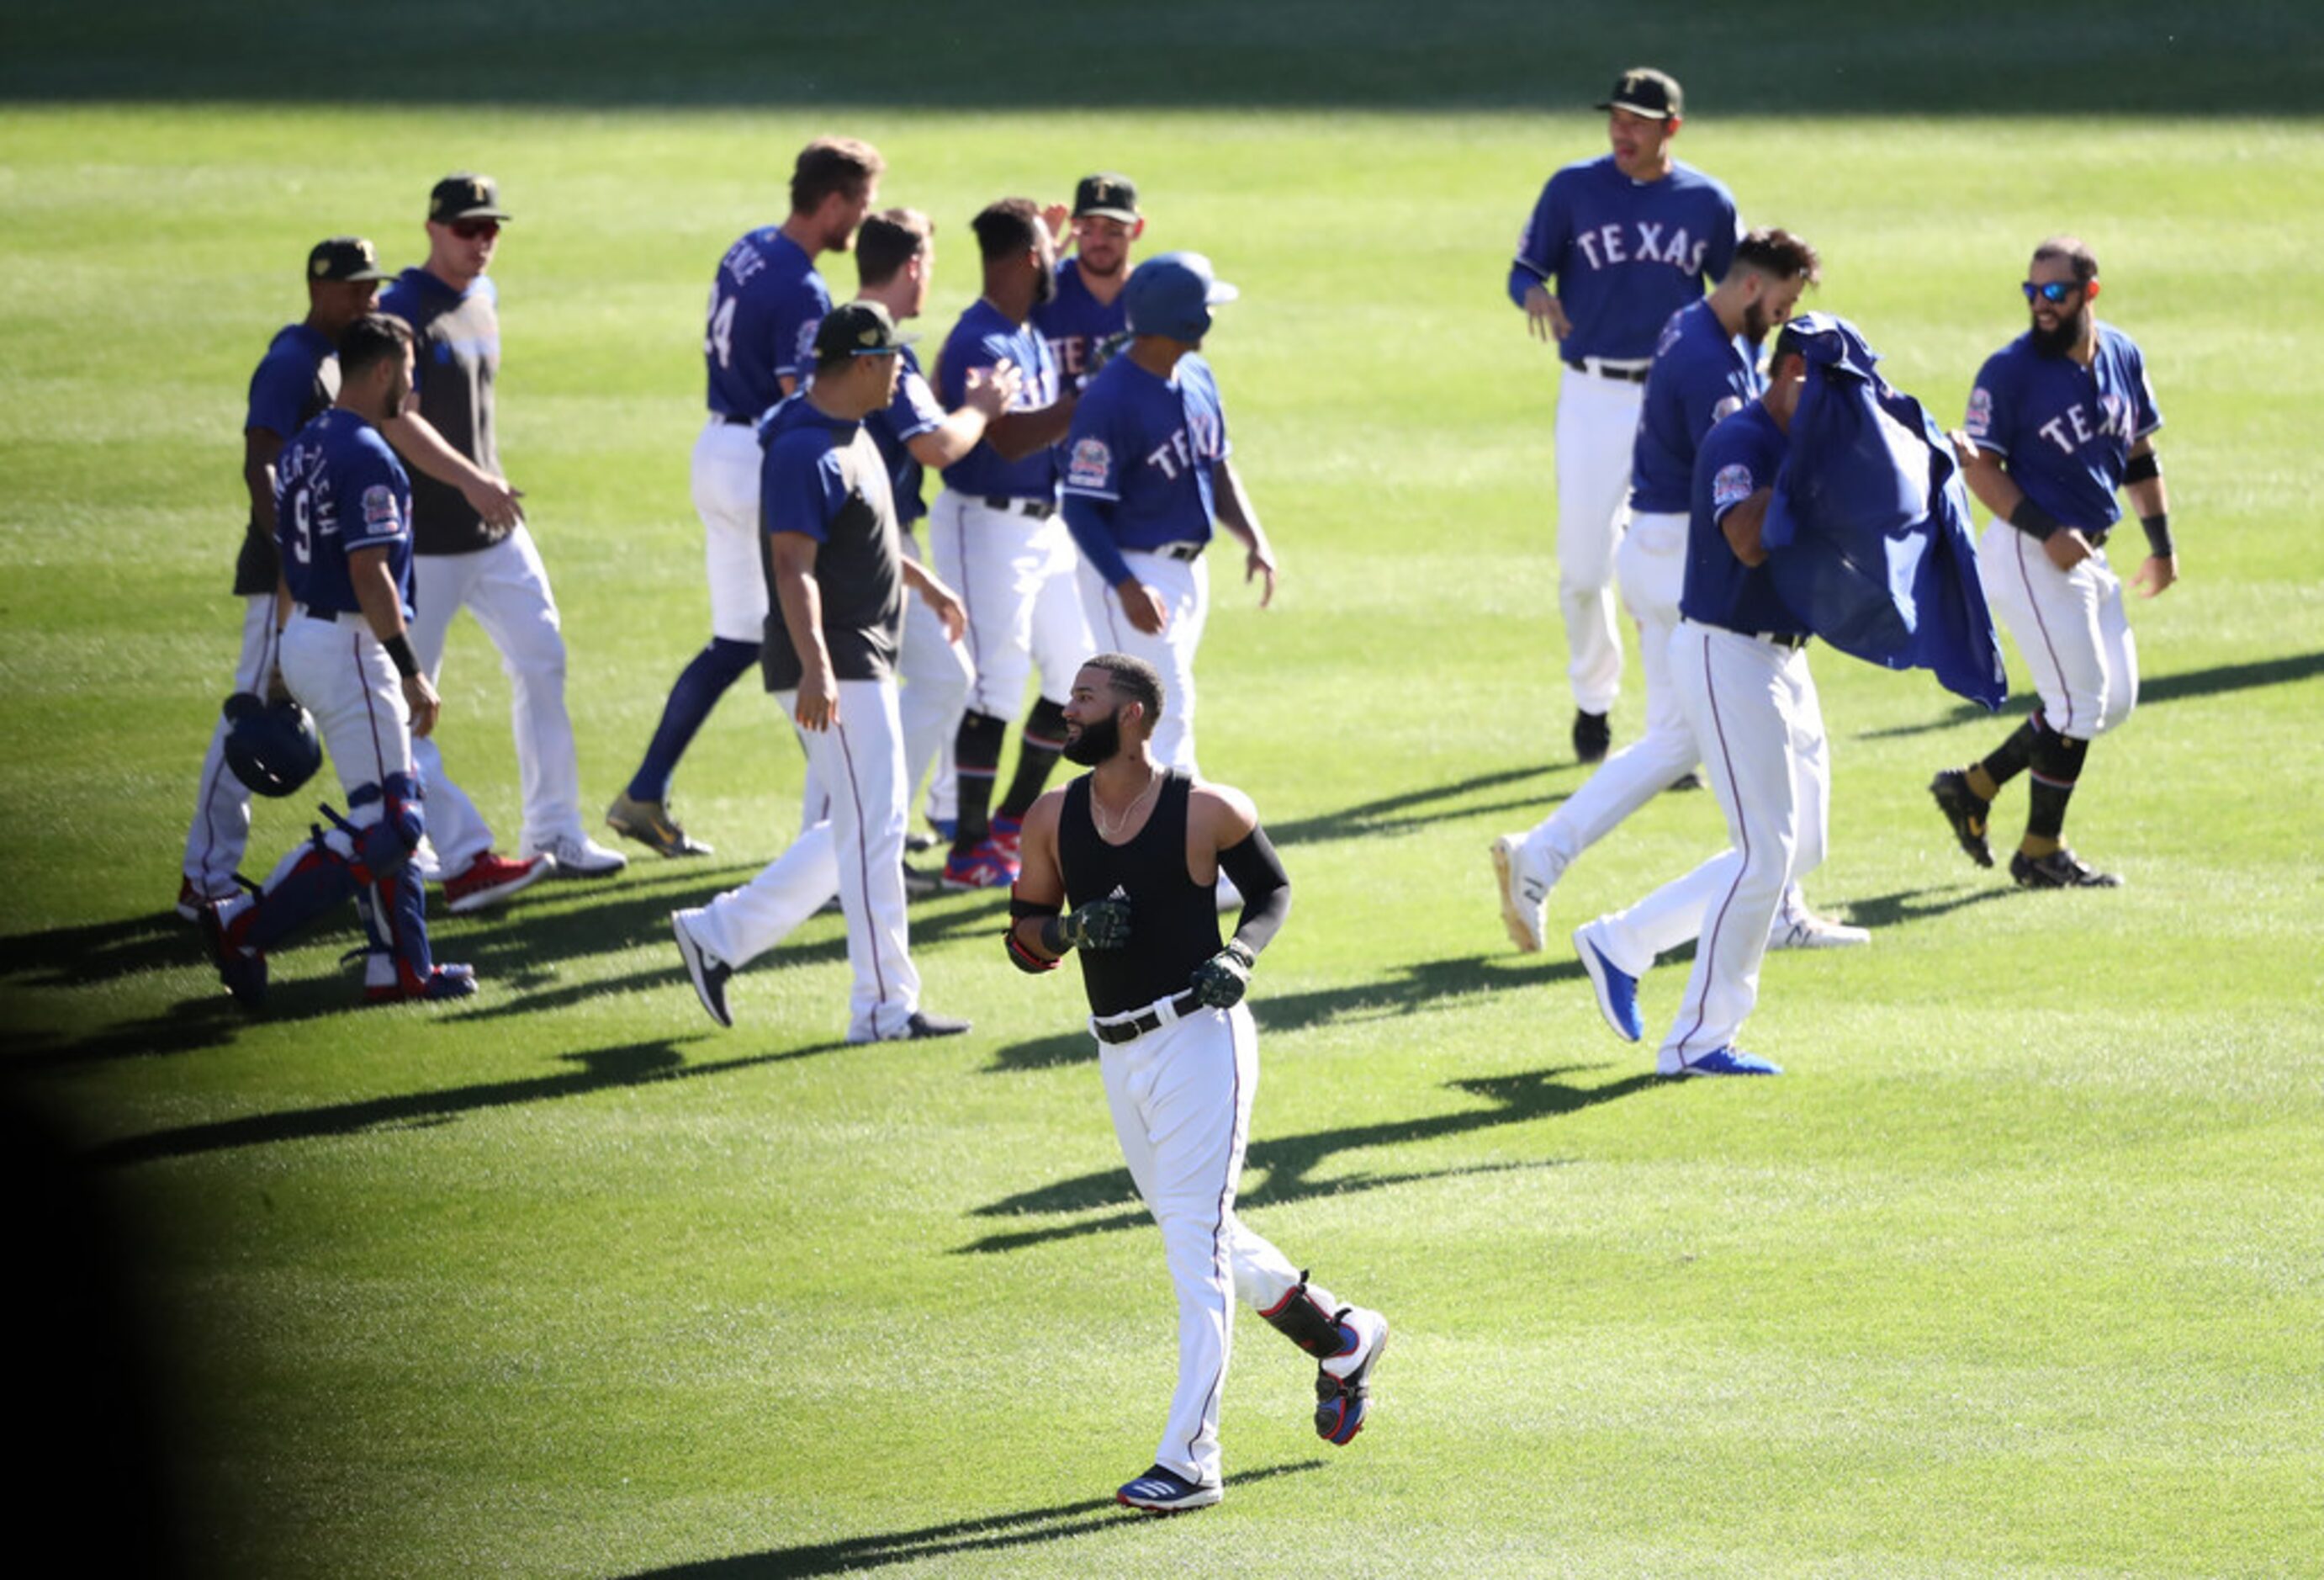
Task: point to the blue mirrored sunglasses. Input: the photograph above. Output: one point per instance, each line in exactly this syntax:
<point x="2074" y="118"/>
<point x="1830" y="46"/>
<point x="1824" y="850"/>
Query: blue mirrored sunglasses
<point x="2054" y="292"/>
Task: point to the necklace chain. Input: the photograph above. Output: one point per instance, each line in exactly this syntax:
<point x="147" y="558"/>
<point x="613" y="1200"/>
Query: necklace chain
<point x="1108" y="828"/>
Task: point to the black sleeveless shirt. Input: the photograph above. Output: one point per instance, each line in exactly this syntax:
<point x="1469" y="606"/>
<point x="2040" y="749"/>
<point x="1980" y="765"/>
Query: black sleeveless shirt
<point x="1174" y="921"/>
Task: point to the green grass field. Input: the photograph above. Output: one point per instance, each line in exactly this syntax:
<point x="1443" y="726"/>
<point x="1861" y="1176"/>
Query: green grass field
<point x="2019" y="1270"/>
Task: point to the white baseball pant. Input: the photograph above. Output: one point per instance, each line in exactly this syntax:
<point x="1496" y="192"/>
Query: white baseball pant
<point x="2071" y="626"/>
<point x="936" y="674"/>
<point x="506" y="587"/>
<point x="858" y="849"/>
<point x="220" y="830"/>
<point x="1653" y="561"/>
<point x="1759" y="726"/>
<point x="341" y="675"/>
<point x="1181" y="1097"/>
<point x="1597" y="428"/>
<point x="1015" y="574"/>
<point x="1184" y="589"/>
<point x="725" y="484"/>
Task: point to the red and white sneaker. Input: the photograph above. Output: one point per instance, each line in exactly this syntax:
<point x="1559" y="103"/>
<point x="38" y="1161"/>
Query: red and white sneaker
<point x="987" y="866"/>
<point x="1008" y="837"/>
<point x="491" y="879"/>
<point x="387" y="981"/>
<point x="192" y="900"/>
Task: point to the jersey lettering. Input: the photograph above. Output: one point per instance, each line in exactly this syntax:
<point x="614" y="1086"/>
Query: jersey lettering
<point x="2072" y="428"/>
<point x="742" y="260"/>
<point x="1608" y="244"/>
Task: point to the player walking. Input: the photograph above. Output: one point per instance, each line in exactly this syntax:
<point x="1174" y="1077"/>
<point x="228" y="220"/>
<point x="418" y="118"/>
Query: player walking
<point x="1705" y="368"/>
<point x="465" y="559"/>
<point x="2058" y="419"/>
<point x="758" y="344"/>
<point x="837" y="574"/>
<point x="1629" y="239"/>
<point x="997" y="537"/>
<point x="1134" y="847"/>
<point x="344" y="515"/>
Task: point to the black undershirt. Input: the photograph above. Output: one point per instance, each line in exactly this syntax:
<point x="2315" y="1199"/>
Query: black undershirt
<point x="1174" y="921"/>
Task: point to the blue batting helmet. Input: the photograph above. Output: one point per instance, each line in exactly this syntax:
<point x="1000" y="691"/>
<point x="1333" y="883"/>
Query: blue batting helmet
<point x="1171" y="294"/>
<point x="271" y="747"/>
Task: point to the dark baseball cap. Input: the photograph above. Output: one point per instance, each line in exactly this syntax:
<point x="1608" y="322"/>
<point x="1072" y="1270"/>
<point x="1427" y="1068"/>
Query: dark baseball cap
<point x="463" y="195"/>
<point x="1644" y="92"/>
<point x="1107" y="196"/>
<point x="860" y="328"/>
<point x="345" y="257"/>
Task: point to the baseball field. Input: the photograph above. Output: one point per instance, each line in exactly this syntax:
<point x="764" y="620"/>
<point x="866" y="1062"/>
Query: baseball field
<point x="2018" y="1269"/>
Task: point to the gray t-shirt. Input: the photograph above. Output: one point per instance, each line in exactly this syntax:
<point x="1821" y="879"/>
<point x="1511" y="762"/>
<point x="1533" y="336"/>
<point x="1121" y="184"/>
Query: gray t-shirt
<point x="823" y="478"/>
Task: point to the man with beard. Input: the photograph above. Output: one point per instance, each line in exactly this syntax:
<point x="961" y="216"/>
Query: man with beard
<point x="1087" y="310"/>
<point x="1629" y="239"/>
<point x="832" y="557"/>
<point x="2058" y="419"/>
<point x="1135" y="846"/>
<point x="997" y="536"/>
<point x="758" y="344"/>
<point x="1706" y="367"/>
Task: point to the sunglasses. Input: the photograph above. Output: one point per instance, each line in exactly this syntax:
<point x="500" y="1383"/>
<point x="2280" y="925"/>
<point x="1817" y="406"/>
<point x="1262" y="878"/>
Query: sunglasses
<point x="2054" y="293"/>
<point x="469" y="230"/>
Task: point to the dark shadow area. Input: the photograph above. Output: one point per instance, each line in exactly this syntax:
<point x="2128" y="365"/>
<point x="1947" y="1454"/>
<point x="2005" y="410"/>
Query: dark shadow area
<point x="984" y="1533"/>
<point x="1292" y="1166"/>
<point x="634" y="1064"/>
<point x="1887" y="910"/>
<point x="1787" y="58"/>
<point x="2152" y="690"/>
<point x="1411" y="809"/>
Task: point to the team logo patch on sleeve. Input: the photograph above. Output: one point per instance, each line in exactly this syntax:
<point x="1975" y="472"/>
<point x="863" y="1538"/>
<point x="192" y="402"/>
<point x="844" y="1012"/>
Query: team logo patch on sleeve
<point x="1732" y="487"/>
<point x="1090" y="464"/>
<point x="379" y="505"/>
<point x="1979" y="421"/>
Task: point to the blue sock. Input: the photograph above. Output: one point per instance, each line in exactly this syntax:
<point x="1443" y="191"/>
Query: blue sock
<point x="699" y="687"/>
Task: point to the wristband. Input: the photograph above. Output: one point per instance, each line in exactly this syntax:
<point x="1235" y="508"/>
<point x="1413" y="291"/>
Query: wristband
<point x="400" y="654"/>
<point x="2032" y="520"/>
<point x="2142" y="468"/>
<point x="2158" y="534"/>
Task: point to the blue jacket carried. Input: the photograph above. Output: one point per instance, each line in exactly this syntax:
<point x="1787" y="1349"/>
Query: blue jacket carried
<point x="1871" y="522"/>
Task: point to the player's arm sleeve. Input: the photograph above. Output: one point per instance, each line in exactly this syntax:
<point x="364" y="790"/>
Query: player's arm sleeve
<point x="1725" y="236"/>
<point x="1266" y="888"/>
<point x="278" y="392"/>
<point x="2147" y="416"/>
<point x="1992" y="408"/>
<point x="1541" y="245"/>
<point x="914" y="411"/>
<point x="801" y="314"/>
<point x="379" y="516"/>
<point x="800" y="491"/>
<point x="1091" y="491"/>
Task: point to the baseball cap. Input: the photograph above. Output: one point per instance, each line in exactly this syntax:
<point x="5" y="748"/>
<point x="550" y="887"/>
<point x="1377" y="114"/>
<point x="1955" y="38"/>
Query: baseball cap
<point x="1171" y="294"/>
<point x="345" y="257"/>
<point x="1644" y="92"/>
<point x="860" y="328"/>
<point x="1107" y="196"/>
<point x="463" y="195"/>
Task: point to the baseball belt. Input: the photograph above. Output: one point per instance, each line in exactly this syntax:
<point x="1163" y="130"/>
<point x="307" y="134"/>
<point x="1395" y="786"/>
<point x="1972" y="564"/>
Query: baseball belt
<point x="1130" y="1028"/>
<point x="1040" y="510"/>
<point x="1629" y="373"/>
<point x="1183" y="552"/>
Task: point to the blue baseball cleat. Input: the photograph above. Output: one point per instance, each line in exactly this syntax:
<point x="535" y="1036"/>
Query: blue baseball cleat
<point x="1726" y="1061"/>
<point x="1161" y="1491"/>
<point x="1618" y="990"/>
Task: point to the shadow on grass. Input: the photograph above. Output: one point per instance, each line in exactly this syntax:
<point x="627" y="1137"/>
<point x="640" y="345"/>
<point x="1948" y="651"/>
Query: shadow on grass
<point x="635" y="1064"/>
<point x="1411" y="809"/>
<point x="1293" y="1164"/>
<point x="983" y="1533"/>
<point x="2152" y="690"/>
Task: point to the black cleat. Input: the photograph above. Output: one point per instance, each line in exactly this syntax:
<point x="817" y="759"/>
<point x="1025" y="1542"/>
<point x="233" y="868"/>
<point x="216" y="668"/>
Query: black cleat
<point x="1592" y="735"/>
<point x="2061" y="869"/>
<point x="1965" y="809"/>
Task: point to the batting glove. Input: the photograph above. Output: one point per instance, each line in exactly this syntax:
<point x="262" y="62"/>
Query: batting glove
<point x="1101" y="924"/>
<point x="1220" y="980"/>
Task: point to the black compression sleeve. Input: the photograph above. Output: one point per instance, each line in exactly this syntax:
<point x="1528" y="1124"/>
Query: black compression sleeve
<point x="1266" y="888"/>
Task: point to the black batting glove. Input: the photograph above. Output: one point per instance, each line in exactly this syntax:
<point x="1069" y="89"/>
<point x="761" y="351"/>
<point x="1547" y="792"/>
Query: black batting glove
<point x="1220" y="980"/>
<point x="1101" y="924"/>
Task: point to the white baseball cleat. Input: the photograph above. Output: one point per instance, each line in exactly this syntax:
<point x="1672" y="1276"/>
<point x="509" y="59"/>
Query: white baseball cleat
<point x="1525" y="901"/>
<point x="708" y="971"/>
<point x="577" y="855"/>
<point x="1804" y="930"/>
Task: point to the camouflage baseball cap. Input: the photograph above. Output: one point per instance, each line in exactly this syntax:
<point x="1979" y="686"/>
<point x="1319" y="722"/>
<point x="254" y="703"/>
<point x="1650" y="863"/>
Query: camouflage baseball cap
<point x="1644" y="92"/>
<point x="860" y="328"/>
<point x="345" y="257"/>
<point x="1107" y="196"/>
<point x="463" y="195"/>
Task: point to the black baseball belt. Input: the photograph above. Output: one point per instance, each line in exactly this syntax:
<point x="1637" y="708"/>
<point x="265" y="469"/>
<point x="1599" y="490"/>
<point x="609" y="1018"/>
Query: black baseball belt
<point x="1629" y="372"/>
<point x="1115" y="1032"/>
<point x="1040" y="510"/>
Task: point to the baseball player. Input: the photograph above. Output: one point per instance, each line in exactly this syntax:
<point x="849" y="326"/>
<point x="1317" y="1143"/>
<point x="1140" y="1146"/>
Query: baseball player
<point x="294" y="384"/>
<point x="895" y="260"/>
<point x="2058" y="419"/>
<point x="1087" y="310"/>
<point x="1705" y="368"/>
<point x="343" y="511"/>
<point x="1147" y="472"/>
<point x="833" y="558"/>
<point x="1629" y="239"/>
<point x="1133" y="846"/>
<point x="463" y="559"/>
<point x="758" y="345"/>
<point x="996" y="533"/>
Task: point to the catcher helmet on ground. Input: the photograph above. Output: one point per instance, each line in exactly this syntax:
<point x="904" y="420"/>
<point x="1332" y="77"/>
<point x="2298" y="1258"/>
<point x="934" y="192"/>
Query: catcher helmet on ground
<point x="1171" y="294"/>
<point x="270" y="747"/>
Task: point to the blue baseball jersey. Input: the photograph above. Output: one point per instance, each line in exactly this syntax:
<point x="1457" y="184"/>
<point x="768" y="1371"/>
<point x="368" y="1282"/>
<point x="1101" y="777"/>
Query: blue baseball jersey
<point x="1739" y="456"/>
<point x="1145" y="448"/>
<point x="913" y="413"/>
<point x="1074" y="321"/>
<point x="1623" y="255"/>
<point x="295" y="381"/>
<point x="338" y="489"/>
<point x="2065" y="430"/>
<point x="983" y="337"/>
<point x="1700" y="374"/>
<point x="766" y="302"/>
<point x="823" y="477"/>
